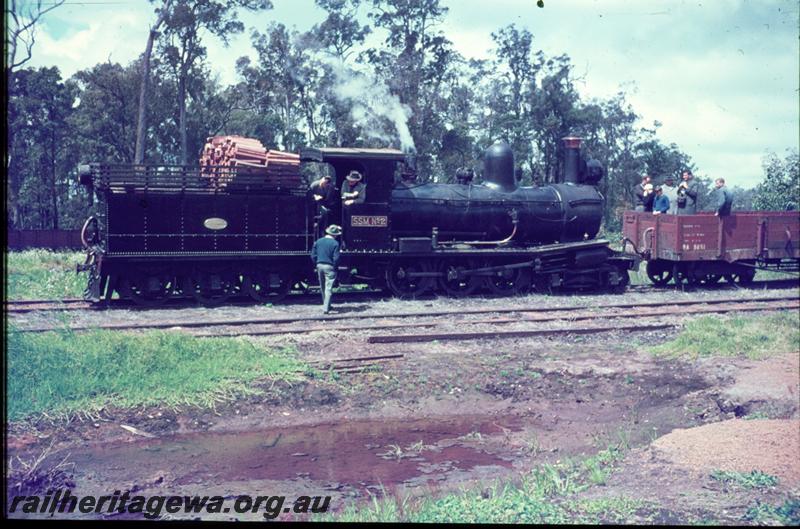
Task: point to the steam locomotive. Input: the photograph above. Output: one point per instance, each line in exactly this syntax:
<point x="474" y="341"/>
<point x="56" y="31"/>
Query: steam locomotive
<point x="167" y="231"/>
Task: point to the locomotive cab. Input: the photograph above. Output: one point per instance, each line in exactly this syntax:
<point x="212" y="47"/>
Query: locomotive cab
<point x="365" y="226"/>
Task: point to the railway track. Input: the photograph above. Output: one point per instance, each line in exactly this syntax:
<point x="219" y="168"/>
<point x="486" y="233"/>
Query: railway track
<point x="522" y="314"/>
<point x="71" y="304"/>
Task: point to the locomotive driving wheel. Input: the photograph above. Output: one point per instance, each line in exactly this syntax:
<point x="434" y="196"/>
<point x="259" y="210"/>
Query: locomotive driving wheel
<point x="403" y="283"/>
<point x="267" y="286"/>
<point x="453" y="279"/>
<point x="212" y="287"/>
<point x="659" y="272"/>
<point x="508" y="282"/>
<point x="148" y="289"/>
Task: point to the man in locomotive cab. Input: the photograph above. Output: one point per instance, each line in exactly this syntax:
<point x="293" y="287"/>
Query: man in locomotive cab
<point x="354" y="191"/>
<point x="324" y="196"/>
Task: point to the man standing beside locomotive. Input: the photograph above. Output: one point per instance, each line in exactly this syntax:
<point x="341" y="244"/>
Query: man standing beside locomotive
<point x="325" y="254"/>
<point x="354" y="191"/>
<point x="687" y="194"/>
<point x="724" y="198"/>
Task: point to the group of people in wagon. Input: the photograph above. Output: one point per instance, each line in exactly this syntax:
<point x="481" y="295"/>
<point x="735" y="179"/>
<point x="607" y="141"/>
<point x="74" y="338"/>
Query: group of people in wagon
<point x="669" y="199"/>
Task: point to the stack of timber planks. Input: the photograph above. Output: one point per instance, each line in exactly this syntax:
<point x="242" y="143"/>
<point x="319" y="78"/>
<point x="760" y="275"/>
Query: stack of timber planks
<point x="226" y="158"/>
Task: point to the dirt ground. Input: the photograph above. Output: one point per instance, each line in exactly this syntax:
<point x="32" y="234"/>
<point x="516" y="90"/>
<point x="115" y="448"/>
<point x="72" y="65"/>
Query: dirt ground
<point x="449" y="415"/>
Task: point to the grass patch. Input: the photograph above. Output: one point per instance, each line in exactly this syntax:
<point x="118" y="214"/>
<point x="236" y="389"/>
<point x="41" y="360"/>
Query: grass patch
<point x="42" y="274"/>
<point x="749" y="480"/>
<point x="754" y="337"/>
<point x="788" y="513"/>
<point x="63" y="372"/>
<point x="545" y="495"/>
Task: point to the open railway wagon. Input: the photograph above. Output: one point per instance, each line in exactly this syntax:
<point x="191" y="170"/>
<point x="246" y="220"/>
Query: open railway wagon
<point x="704" y="248"/>
<point x="176" y="231"/>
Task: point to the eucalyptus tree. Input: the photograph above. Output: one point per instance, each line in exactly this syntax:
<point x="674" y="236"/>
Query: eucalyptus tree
<point x="417" y="63"/>
<point x="780" y="189"/>
<point x="42" y="152"/>
<point x="335" y="44"/>
<point x="185" y="23"/>
<point x="280" y="86"/>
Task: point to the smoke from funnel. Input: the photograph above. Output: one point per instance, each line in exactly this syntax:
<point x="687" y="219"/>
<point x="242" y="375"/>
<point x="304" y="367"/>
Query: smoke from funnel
<point x="371" y="102"/>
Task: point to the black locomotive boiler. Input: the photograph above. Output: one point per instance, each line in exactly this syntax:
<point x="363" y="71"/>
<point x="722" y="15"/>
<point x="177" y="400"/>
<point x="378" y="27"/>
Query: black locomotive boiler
<point x="167" y="231"/>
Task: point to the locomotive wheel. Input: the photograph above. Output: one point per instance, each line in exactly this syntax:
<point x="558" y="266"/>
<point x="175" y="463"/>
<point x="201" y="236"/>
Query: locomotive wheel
<point x="212" y="288"/>
<point x="659" y="273"/>
<point x="454" y="282"/>
<point x="743" y="278"/>
<point x="508" y="282"/>
<point x="148" y="290"/>
<point x="267" y="287"/>
<point x="402" y="284"/>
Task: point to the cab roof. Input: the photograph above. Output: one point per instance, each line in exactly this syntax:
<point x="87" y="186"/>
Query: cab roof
<point x="327" y="154"/>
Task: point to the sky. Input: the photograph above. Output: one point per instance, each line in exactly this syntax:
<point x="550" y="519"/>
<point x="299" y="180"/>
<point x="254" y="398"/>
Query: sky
<point x="721" y="76"/>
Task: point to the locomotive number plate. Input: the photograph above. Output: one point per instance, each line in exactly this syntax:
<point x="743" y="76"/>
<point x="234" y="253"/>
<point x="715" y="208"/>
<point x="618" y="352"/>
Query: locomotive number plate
<point x="215" y="223"/>
<point x="369" y="221"/>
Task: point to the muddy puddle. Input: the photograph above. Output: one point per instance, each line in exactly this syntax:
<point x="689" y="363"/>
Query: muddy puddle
<point x="559" y="415"/>
<point x="353" y="459"/>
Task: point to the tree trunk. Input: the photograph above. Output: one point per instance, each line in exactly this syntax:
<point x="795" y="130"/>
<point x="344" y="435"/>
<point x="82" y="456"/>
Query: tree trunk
<point x="54" y="177"/>
<point x="182" y="117"/>
<point x="141" y="124"/>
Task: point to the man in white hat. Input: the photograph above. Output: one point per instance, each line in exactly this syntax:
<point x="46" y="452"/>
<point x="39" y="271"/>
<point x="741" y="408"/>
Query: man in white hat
<point x="325" y="254"/>
<point x="354" y="191"/>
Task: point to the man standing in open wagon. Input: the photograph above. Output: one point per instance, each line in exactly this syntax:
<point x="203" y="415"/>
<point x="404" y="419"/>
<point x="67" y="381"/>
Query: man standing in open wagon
<point x="325" y="254"/>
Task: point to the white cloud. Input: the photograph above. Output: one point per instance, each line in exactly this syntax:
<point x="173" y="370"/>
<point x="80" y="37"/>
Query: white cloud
<point x="119" y="36"/>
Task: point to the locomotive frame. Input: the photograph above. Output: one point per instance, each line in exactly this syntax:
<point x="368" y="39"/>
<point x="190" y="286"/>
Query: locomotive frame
<point x="170" y="232"/>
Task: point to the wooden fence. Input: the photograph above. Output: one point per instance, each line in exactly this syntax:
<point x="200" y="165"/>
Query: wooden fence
<point x="52" y="239"/>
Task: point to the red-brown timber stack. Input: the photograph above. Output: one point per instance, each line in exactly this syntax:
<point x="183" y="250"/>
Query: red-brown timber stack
<point x="225" y="157"/>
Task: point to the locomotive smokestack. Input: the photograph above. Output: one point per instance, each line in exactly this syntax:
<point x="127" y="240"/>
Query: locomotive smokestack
<point x="572" y="160"/>
<point x="498" y="167"/>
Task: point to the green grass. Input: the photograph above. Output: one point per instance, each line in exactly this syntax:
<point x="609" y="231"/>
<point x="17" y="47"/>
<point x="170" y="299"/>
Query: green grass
<point x="42" y="274"/>
<point x="754" y="337"/>
<point x="545" y="495"/>
<point x="788" y="513"/>
<point x="61" y="373"/>
<point x="749" y="480"/>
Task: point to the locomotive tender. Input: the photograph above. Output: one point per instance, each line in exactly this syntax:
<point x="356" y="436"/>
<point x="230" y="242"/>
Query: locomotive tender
<point x="167" y="231"/>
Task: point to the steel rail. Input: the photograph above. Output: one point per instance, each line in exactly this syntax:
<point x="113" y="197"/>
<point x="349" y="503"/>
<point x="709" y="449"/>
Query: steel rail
<point x="409" y="338"/>
<point x="523" y="310"/>
<point x="416" y="338"/>
<point x="495" y="321"/>
<point x="68" y="304"/>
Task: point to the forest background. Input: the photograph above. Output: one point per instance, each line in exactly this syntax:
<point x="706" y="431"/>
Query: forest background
<point x="329" y="86"/>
